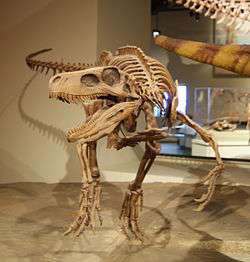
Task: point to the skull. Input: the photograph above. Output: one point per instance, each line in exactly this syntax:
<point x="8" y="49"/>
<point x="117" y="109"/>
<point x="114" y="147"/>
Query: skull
<point x="104" y="82"/>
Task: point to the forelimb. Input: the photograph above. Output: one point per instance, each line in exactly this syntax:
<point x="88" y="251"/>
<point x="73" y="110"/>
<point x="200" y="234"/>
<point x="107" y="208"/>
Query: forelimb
<point x="152" y="134"/>
<point x="216" y="171"/>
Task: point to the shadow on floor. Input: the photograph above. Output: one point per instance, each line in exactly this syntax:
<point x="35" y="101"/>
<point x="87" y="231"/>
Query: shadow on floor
<point x="33" y="219"/>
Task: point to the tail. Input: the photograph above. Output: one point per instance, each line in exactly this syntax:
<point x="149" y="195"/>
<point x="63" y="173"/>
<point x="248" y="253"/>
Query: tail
<point x="232" y="57"/>
<point x="56" y="67"/>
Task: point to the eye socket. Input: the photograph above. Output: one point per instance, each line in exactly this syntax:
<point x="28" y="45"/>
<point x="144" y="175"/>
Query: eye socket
<point x="111" y="76"/>
<point x="90" y="80"/>
<point x="56" y="79"/>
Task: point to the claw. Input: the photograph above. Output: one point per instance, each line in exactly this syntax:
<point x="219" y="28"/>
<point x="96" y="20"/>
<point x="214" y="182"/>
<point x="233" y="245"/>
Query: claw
<point x="82" y="226"/>
<point x="202" y="198"/>
<point x="136" y="230"/>
<point x="67" y="231"/>
<point x="199" y="208"/>
<point x="211" y="178"/>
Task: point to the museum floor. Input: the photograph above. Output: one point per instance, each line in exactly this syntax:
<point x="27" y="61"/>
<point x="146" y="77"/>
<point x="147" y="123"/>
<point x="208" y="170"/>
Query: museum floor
<point x="33" y="217"/>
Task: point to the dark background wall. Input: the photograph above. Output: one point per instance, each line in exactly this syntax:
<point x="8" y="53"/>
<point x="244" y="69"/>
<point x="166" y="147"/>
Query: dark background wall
<point x="179" y="24"/>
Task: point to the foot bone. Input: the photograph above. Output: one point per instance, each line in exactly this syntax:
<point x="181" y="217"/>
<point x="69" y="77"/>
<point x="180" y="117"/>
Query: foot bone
<point x="89" y="208"/>
<point x="129" y="216"/>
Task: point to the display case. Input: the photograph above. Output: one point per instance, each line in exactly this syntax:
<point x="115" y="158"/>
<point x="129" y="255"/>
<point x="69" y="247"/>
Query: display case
<point x="213" y="104"/>
<point x="215" y="107"/>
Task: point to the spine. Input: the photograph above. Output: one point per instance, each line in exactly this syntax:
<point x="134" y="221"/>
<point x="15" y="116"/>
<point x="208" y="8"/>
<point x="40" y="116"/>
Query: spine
<point x="232" y="11"/>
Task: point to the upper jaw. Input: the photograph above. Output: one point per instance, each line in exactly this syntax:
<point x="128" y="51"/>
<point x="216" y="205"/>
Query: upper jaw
<point x="69" y="98"/>
<point x="76" y="99"/>
<point x="101" y="94"/>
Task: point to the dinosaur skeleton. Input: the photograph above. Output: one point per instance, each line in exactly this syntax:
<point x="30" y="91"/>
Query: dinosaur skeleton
<point x="233" y="11"/>
<point x="222" y="125"/>
<point x="113" y="93"/>
<point x="232" y="57"/>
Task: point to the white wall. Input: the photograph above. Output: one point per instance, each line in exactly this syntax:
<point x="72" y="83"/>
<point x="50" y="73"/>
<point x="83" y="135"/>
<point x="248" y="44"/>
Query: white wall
<point x="32" y="143"/>
<point x="123" y="23"/>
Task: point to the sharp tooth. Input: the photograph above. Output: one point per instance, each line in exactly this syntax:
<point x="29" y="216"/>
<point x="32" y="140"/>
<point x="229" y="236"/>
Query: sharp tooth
<point x="70" y="98"/>
<point x="63" y="99"/>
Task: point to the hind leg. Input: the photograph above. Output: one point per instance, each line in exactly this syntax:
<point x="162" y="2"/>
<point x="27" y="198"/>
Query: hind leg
<point x="210" y="179"/>
<point x="90" y="193"/>
<point x="133" y="200"/>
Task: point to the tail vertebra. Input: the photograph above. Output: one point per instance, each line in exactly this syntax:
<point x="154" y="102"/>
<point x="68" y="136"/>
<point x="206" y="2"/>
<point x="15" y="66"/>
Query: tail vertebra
<point x="232" y="57"/>
<point x="54" y="66"/>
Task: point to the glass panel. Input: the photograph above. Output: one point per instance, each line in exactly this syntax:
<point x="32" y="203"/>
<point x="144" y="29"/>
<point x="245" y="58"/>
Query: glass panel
<point x="223" y="112"/>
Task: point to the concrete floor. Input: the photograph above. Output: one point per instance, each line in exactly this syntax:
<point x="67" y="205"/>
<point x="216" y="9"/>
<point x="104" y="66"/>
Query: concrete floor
<point x="33" y="217"/>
